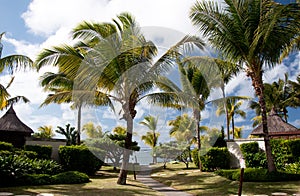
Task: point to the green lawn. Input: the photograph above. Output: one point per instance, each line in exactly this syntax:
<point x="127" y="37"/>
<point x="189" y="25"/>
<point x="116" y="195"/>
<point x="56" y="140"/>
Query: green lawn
<point x="102" y="184"/>
<point x="190" y="180"/>
<point x="207" y="183"/>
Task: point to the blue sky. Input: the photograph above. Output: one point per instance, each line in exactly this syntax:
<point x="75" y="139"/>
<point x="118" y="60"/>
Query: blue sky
<point x="32" y="25"/>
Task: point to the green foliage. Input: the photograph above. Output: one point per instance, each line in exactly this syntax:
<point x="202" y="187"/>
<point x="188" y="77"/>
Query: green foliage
<point x="167" y="151"/>
<point x="70" y="177"/>
<point x="69" y="132"/>
<point x="29" y="154"/>
<point x="215" y="158"/>
<point x="81" y="158"/>
<point x="14" y="167"/>
<point x="294" y="146"/>
<point x="258" y="175"/>
<point x="251" y="147"/>
<point x="293" y="168"/>
<point x="6" y="146"/>
<point x="43" y="151"/>
<point x="195" y="157"/>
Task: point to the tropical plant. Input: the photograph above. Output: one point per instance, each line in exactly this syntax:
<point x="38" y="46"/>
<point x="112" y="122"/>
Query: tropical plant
<point x="92" y="131"/>
<point x="68" y="59"/>
<point x="11" y="64"/>
<point x="69" y="132"/>
<point x="44" y="132"/>
<point x="244" y="31"/>
<point x="120" y="65"/>
<point x="151" y="136"/>
<point x="233" y="109"/>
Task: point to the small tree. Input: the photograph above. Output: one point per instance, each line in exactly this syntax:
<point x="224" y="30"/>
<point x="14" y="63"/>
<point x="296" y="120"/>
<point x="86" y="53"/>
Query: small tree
<point x="167" y="151"/>
<point x="70" y="133"/>
<point x="92" y="131"/>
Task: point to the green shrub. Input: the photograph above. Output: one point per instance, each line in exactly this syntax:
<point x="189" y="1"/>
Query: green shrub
<point x="227" y="173"/>
<point x="6" y="146"/>
<point x="294" y="146"/>
<point x="258" y="175"/>
<point x="216" y="158"/>
<point x="81" y="158"/>
<point x="14" y="167"/>
<point x="251" y="147"/>
<point x="195" y="157"/>
<point x="43" y="151"/>
<point x="29" y="154"/>
<point x="70" y="177"/>
<point x="293" y="168"/>
<point x="34" y="179"/>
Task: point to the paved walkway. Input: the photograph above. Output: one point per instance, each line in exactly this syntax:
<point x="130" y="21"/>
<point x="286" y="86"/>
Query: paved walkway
<point x="145" y="178"/>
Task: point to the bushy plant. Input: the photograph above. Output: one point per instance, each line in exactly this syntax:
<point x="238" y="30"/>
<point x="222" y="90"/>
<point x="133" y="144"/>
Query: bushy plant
<point x="6" y="146"/>
<point x="43" y="151"/>
<point x="14" y="167"/>
<point x="293" y="168"/>
<point x="70" y="177"/>
<point x="293" y="147"/>
<point x="259" y="175"/>
<point x="81" y="158"/>
<point x="216" y="158"/>
<point x="195" y="156"/>
<point x="253" y="155"/>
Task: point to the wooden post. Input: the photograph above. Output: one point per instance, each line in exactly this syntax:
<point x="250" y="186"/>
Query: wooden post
<point x="241" y="182"/>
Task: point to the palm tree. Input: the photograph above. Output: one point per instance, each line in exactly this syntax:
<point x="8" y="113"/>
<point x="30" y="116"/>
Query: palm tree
<point x="197" y="86"/>
<point x="11" y="63"/>
<point x="233" y="109"/>
<point x="69" y="132"/>
<point x="44" y="132"/>
<point x="68" y="59"/>
<point x="120" y="65"/>
<point x="92" y="131"/>
<point x="244" y="31"/>
<point x="151" y="136"/>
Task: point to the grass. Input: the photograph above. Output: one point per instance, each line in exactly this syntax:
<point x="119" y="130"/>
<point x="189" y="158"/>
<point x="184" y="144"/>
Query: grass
<point x="104" y="183"/>
<point x="206" y="183"/>
<point x="190" y="180"/>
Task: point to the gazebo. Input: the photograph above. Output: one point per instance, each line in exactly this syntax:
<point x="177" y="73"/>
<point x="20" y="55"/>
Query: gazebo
<point x="13" y="130"/>
<point x="277" y="128"/>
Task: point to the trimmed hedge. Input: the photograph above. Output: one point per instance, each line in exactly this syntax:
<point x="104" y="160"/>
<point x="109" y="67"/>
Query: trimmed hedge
<point x="6" y="146"/>
<point x="43" y="151"/>
<point x="258" y="175"/>
<point x="70" y="177"/>
<point x="81" y="158"/>
<point x="216" y="158"/>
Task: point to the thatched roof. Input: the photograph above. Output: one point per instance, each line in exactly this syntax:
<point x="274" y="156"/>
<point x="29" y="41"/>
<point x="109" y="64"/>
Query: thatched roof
<point x="11" y="123"/>
<point x="276" y="127"/>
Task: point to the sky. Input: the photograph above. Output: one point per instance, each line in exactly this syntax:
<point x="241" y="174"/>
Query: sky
<point x="32" y="25"/>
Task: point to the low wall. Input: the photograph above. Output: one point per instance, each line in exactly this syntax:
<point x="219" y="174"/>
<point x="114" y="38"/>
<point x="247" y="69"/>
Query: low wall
<point x="55" y="143"/>
<point x="236" y="157"/>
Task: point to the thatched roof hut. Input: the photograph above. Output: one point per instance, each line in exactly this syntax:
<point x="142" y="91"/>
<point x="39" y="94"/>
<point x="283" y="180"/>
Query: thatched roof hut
<point x="277" y="128"/>
<point x="12" y="129"/>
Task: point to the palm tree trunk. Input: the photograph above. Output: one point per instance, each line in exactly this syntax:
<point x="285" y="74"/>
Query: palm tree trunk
<point x="226" y="110"/>
<point x="257" y="83"/>
<point x="232" y="124"/>
<point x="79" y="124"/>
<point x="124" y="168"/>
<point x="197" y="121"/>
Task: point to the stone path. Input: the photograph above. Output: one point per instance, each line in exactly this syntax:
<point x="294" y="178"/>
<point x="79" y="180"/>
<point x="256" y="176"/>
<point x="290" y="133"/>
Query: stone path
<point x="145" y="178"/>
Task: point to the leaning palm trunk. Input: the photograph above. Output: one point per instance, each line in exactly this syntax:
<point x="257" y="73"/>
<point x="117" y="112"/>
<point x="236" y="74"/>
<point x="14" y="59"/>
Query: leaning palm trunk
<point x="257" y="83"/>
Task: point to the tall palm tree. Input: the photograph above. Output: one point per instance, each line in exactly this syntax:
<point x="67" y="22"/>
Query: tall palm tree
<point x="195" y="84"/>
<point x="120" y="65"/>
<point x="244" y="31"/>
<point x="151" y="136"/>
<point x="233" y="109"/>
<point x="68" y="60"/>
<point x="11" y="63"/>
